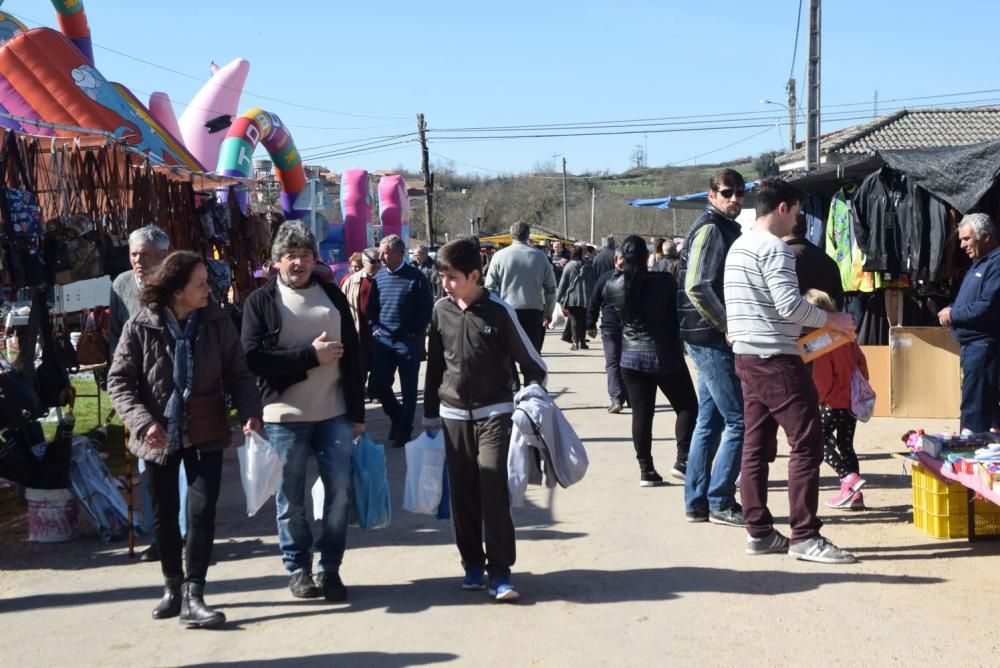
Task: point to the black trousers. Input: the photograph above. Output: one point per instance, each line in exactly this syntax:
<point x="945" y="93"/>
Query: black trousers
<point x="531" y="322"/>
<point x="476" y="451"/>
<point x="578" y="323"/>
<point x="641" y="388"/>
<point x="611" y="339"/>
<point x="204" y="474"/>
<point x="838" y="440"/>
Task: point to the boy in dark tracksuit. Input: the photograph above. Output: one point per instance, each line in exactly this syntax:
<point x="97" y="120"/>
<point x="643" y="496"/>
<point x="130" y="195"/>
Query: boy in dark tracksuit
<point x="474" y="337"/>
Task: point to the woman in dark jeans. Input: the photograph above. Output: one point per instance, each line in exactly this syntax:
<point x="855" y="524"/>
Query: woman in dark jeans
<point x="174" y="361"/>
<point x="573" y="293"/>
<point x="651" y="355"/>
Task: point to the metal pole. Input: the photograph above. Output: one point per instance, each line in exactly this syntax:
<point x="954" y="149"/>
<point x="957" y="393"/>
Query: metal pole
<point x="791" y="114"/>
<point x="565" y="212"/>
<point x="428" y="179"/>
<point x="813" y="87"/>
<point x="593" y="200"/>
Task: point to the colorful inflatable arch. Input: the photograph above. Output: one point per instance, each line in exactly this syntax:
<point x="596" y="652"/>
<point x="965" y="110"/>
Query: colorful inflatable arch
<point x="236" y="156"/>
<point x="73" y="24"/>
<point x="394" y="206"/>
<point x="45" y="77"/>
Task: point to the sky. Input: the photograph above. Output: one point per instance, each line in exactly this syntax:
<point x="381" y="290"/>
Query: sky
<point x="342" y="73"/>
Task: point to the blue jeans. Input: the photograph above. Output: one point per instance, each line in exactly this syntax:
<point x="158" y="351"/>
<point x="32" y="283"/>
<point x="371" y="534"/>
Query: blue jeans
<point x="980" y="377"/>
<point x="330" y="441"/>
<point x="388" y="356"/>
<point x="147" y="502"/>
<point x="717" y="443"/>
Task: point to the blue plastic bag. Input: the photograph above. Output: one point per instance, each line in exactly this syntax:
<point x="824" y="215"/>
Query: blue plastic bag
<point x="371" y="484"/>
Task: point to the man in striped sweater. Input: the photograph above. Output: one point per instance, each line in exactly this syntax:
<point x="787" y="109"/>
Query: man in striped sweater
<point x="766" y="314"/>
<point x="399" y="311"/>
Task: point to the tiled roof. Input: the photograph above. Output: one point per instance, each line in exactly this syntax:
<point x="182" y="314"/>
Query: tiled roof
<point x="909" y="128"/>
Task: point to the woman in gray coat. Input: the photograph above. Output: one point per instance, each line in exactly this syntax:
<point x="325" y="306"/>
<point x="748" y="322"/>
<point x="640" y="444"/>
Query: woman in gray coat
<point x="573" y="294"/>
<point x="175" y="361"/>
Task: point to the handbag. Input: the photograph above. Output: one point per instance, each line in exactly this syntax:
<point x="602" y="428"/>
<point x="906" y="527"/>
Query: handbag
<point x="207" y="419"/>
<point x="92" y="348"/>
<point x="20" y="205"/>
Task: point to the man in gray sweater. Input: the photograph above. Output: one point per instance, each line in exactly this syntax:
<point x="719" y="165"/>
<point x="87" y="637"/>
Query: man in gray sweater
<point x="765" y="316"/>
<point x="147" y="248"/>
<point x="523" y="277"/>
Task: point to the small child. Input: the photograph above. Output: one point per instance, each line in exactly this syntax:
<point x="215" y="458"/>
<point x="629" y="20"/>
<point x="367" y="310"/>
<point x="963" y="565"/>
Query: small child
<point x="832" y="375"/>
<point x="474" y="340"/>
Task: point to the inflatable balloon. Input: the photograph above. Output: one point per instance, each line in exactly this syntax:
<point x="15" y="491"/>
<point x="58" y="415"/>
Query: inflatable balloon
<point x="236" y="156"/>
<point x="356" y="208"/>
<point x="44" y="76"/>
<point x="73" y="24"/>
<point x="220" y="96"/>
<point x="394" y="206"/>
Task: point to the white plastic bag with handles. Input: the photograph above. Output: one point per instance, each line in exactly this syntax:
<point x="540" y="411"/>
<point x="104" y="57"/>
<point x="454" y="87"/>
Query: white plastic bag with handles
<point x="260" y="471"/>
<point x="424" y="474"/>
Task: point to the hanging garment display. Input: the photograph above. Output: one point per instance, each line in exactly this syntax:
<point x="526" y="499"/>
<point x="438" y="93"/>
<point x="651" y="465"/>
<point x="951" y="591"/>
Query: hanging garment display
<point x="842" y="246"/>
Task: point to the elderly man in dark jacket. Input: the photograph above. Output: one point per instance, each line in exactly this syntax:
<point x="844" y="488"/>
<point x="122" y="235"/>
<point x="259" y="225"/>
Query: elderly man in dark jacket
<point x="975" y="321"/>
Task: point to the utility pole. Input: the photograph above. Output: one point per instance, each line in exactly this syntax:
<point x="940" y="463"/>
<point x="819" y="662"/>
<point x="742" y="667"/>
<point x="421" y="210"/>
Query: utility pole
<point x="791" y="114"/>
<point x="428" y="179"/>
<point x="813" y="87"/>
<point x="565" y="212"/>
<point x="593" y="200"/>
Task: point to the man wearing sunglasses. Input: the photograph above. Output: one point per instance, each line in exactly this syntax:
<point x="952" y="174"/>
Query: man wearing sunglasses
<point x="713" y="463"/>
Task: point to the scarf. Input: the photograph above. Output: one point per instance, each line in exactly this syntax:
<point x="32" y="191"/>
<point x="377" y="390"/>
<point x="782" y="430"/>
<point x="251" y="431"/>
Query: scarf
<point x="183" y="375"/>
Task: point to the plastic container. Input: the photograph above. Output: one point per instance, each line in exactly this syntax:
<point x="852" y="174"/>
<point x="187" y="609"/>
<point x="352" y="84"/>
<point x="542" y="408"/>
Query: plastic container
<point x="941" y="509"/>
<point x="53" y="515"/>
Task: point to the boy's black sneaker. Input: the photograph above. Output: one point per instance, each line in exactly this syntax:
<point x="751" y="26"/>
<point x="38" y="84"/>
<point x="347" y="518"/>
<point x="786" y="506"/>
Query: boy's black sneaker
<point x="301" y="585"/>
<point x="331" y="586"/>
<point x="679" y="470"/>
<point x="650" y="479"/>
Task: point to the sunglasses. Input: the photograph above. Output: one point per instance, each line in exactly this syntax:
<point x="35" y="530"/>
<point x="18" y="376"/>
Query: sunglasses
<point x="729" y="192"/>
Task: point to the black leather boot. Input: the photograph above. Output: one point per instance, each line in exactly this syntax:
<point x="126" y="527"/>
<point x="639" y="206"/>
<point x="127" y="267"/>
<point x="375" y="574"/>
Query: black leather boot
<point x="170" y="604"/>
<point x="194" y="612"/>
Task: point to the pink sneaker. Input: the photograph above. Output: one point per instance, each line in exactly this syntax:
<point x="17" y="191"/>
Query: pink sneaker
<point x="842" y="498"/>
<point x="849" y="486"/>
<point x="853" y="481"/>
<point x="857" y="502"/>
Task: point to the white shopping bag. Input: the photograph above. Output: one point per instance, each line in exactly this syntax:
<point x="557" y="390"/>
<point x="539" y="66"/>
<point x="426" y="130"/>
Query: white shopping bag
<point x="558" y="320"/>
<point x="260" y="471"/>
<point x="424" y="474"/>
<point x="318" y="495"/>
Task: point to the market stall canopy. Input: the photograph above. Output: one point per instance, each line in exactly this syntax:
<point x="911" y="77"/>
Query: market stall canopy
<point x="960" y="175"/>
<point x="694" y="201"/>
<point x="502" y="240"/>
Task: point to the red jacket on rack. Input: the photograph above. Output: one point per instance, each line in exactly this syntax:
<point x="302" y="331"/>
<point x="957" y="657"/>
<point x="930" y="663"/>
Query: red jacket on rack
<point x="832" y="374"/>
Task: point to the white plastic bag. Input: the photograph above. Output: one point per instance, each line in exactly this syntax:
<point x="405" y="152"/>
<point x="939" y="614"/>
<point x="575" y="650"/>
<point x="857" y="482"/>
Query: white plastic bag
<point x="558" y="320"/>
<point x="424" y="474"/>
<point x="260" y="471"/>
<point x="318" y="496"/>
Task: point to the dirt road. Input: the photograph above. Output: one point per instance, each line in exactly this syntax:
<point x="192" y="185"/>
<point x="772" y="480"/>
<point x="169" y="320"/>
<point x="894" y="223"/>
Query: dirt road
<point x="610" y="574"/>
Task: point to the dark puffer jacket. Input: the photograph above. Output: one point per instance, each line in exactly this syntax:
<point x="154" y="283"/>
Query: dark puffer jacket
<point x="141" y="378"/>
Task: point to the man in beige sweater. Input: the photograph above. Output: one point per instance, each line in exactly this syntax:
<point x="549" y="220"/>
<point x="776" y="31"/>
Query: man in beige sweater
<point x="302" y="343"/>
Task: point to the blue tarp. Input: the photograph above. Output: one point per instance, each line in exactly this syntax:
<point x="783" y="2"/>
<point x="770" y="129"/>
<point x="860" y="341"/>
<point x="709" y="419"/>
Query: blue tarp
<point x="690" y="201"/>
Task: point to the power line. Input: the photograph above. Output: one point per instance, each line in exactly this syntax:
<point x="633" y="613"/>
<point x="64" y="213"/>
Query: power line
<point x="795" y="49"/>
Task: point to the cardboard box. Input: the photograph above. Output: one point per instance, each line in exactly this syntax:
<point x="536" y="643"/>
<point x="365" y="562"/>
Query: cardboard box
<point x="877" y="358"/>
<point x="925" y="374"/>
<point x="82" y="295"/>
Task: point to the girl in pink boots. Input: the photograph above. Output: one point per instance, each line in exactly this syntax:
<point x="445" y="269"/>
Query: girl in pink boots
<point x="832" y="376"/>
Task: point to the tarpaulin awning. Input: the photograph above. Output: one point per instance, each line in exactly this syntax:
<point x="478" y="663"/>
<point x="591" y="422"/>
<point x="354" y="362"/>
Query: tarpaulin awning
<point x="960" y="175"/>
<point x="690" y="201"/>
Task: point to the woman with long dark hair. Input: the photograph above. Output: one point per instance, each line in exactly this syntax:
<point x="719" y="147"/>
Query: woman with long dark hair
<point x="175" y="361"/>
<point x="651" y="354"/>
<point x="573" y="293"/>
